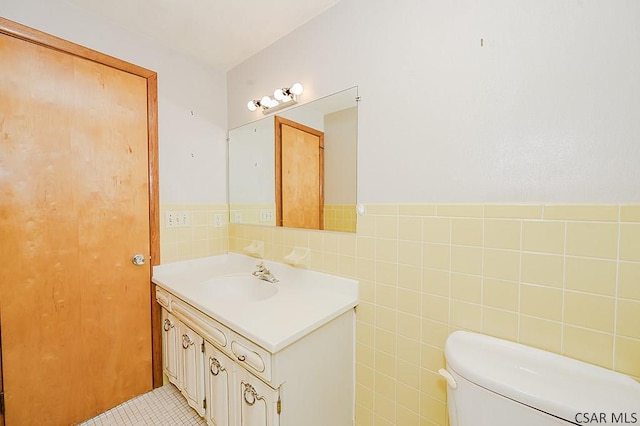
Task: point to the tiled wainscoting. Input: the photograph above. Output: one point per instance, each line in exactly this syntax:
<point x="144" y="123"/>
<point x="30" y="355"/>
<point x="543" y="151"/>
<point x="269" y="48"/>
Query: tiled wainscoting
<point x="206" y="233"/>
<point x="257" y="214"/>
<point x="565" y="278"/>
<point x="340" y="217"/>
<point x="337" y="217"/>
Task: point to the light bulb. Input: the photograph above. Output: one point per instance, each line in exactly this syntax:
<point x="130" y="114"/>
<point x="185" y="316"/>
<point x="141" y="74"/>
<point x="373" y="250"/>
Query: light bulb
<point x="296" y="89"/>
<point x="278" y="94"/>
<point x="265" y="101"/>
<point x="286" y="98"/>
<point x="273" y="103"/>
<point x="252" y="105"/>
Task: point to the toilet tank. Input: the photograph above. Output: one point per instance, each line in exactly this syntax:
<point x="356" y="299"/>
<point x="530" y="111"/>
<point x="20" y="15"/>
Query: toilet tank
<point x="494" y="382"/>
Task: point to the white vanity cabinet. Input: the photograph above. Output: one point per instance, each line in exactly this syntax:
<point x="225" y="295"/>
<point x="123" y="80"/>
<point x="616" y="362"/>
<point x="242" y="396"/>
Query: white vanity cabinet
<point x="309" y="382"/>
<point x="242" y="357"/>
<point x="183" y="360"/>
<point x="235" y="396"/>
<point x="182" y="355"/>
<point x="259" y="403"/>
<point x="220" y="387"/>
<point x="170" y="347"/>
<point x="191" y="366"/>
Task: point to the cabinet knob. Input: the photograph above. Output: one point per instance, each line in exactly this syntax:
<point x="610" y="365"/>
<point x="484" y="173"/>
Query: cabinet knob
<point x="250" y="395"/>
<point x="215" y="367"/>
<point x="168" y="324"/>
<point x="241" y="358"/>
<point x="186" y="341"/>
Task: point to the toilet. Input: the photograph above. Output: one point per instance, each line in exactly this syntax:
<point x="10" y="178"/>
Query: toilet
<point x="494" y="382"/>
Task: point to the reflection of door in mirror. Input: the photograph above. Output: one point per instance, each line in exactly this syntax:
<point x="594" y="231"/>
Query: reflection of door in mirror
<point x="252" y="158"/>
<point x="299" y="175"/>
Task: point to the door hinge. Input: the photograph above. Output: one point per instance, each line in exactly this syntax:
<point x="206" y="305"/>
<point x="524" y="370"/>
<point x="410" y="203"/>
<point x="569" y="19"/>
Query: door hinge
<point x="279" y="405"/>
<point x="204" y="403"/>
<point x="2" y="403"/>
<point x="202" y="347"/>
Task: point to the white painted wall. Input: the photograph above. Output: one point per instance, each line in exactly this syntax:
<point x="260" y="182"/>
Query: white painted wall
<point x="545" y="111"/>
<point x="191" y="97"/>
<point x="252" y="163"/>
<point x="340" y="156"/>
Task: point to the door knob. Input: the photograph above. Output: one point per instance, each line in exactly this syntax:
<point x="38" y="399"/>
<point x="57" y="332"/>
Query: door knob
<point x="138" y="259"/>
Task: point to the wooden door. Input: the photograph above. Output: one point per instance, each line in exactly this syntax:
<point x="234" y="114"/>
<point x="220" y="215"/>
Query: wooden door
<point x="74" y="208"/>
<point x="299" y="175"/>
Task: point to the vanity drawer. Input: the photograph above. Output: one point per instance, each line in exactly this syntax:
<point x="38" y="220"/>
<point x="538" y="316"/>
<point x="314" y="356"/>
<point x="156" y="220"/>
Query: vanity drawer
<point x="251" y="356"/>
<point x="163" y="298"/>
<point x="209" y="328"/>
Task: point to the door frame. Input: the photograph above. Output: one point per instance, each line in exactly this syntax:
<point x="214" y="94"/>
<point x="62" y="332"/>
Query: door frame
<point x="278" y="122"/>
<point x="22" y="32"/>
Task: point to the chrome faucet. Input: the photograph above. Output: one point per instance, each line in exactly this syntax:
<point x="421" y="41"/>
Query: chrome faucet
<point x="264" y="274"/>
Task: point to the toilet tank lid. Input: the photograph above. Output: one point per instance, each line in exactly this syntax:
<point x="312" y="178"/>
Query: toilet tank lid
<point x="546" y="381"/>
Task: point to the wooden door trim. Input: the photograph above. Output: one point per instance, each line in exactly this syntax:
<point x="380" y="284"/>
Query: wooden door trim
<point x="278" y="122"/>
<point x="23" y="32"/>
<point x="31" y="35"/>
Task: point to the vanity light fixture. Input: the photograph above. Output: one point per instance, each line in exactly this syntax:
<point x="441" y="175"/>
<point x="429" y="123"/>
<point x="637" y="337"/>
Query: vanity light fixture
<point x="282" y="98"/>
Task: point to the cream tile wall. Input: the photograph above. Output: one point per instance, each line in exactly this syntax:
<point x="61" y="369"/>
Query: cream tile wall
<point x="340" y="217"/>
<point x="251" y="213"/>
<point x="204" y="237"/>
<point x="337" y="217"/>
<point x="565" y="278"/>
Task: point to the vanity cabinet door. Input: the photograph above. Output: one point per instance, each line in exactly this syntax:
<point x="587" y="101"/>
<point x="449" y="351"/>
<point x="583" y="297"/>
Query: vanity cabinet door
<point x="170" y="347"/>
<point x="258" y="402"/>
<point x="191" y="366"/>
<point x="219" y="387"/>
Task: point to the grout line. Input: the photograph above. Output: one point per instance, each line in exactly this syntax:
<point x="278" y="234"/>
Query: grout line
<point x="421" y="295"/>
<point x="484" y="226"/>
<point x="450" y="220"/>
<point x="615" y="303"/>
<point x="520" y="280"/>
<point x="564" y="288"/>
<point x="375" y="310"/>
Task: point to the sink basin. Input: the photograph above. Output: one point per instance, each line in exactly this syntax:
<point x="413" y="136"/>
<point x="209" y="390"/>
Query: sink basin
<point x="239" y="288"/>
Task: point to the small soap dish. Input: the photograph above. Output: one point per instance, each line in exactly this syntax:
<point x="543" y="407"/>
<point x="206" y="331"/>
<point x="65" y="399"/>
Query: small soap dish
<point x="298" y="257"/>
<point x="255" y="249"/>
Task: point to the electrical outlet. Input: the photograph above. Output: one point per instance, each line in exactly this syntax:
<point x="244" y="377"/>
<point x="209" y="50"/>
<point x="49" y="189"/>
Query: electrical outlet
<point x="184" y="218"/>
<point x="173" y="219"/>
<point x="217" y="220"/>
<point x="237" y="217"/>
<point x="266" y="215"/>
<point x="170" y="219"/>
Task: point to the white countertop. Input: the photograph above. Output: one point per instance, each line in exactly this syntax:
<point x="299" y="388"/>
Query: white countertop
<point x="305" y="299"/>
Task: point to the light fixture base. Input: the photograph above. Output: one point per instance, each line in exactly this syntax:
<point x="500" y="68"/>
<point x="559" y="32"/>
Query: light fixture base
<point x="281" y="105"/>
<point x="282" y="98"/>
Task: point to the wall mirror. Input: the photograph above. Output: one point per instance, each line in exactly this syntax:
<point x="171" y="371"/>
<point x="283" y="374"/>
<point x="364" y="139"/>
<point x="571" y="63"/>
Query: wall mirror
<point x="297" y="168"/>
